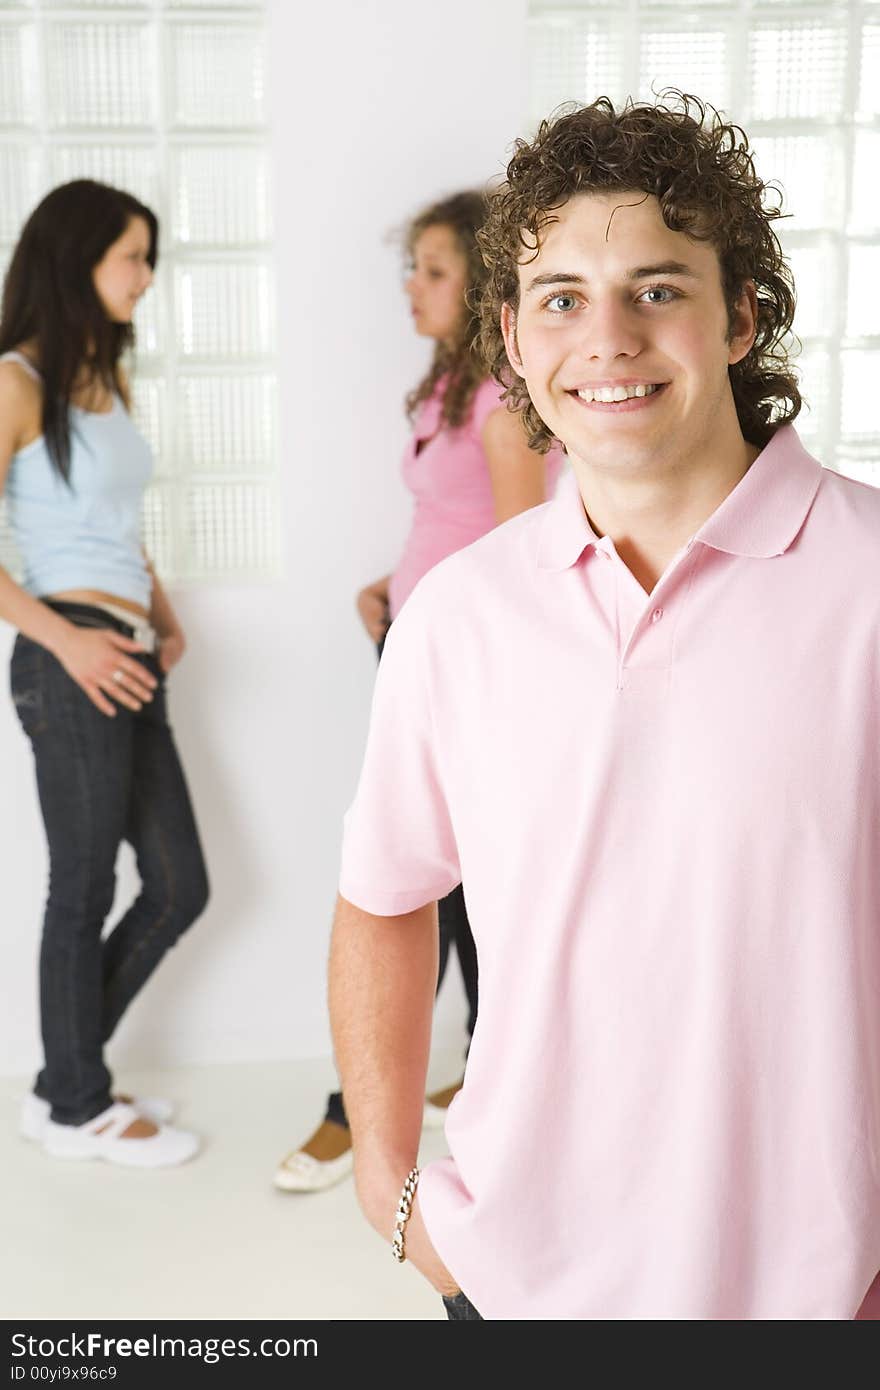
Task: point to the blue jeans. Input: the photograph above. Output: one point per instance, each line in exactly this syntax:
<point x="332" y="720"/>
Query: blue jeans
<point x="101" y="780"/>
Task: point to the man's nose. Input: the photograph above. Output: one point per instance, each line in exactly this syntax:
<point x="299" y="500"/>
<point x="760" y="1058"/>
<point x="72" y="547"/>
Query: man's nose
<point x="610" y="330"/>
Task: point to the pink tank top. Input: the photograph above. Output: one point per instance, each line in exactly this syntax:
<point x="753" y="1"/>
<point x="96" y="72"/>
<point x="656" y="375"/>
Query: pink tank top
<point x="447" y="472"/>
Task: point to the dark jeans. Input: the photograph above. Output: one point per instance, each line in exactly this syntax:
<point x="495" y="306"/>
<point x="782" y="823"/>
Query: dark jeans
<point x="455" y="929"/>
<point x="460" y="1309"/>
<point x="101" y="780"/>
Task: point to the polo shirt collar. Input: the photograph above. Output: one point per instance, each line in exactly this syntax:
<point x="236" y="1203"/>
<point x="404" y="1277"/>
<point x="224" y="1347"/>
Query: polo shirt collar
<point x="565" y="531"/>
<point x="768" y="507"/>
<point x="760" y="518"/>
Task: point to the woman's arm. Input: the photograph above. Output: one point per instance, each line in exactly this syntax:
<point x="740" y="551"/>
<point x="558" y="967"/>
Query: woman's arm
<point x="172" y="643"/>
<point x="518" y="474"/>
<point x="20" y="609"/>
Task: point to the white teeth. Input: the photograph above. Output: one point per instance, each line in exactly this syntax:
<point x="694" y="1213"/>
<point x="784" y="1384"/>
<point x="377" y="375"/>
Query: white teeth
<point x="609" y="394"/>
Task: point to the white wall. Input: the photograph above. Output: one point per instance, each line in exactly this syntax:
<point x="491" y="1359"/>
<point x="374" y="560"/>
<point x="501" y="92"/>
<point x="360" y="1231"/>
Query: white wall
<point x="380" y="105"/>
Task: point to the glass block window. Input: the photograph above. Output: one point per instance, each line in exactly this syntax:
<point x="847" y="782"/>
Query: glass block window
<point x="803" y="79"/>
<point x="167" y="99"/>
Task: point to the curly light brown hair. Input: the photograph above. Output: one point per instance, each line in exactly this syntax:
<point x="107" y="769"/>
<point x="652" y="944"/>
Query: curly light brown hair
<point x="702" y="172"/>
<point x="463" y="214"/>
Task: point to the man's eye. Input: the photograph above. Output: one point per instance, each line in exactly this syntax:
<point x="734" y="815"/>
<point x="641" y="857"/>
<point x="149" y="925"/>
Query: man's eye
<point x="561" y="303"/>
<point x="662" y="290"/>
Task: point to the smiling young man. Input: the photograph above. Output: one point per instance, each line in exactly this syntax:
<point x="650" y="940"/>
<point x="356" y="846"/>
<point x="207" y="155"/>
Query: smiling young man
<point x="656" y="765"/>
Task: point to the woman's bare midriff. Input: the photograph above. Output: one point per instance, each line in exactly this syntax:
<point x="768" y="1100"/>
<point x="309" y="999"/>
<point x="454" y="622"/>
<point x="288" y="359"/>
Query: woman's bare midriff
<point x="98" y="596"/>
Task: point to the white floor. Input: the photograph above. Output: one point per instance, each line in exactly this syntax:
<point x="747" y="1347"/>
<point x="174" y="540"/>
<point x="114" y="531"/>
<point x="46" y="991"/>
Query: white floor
<point x="212" y="1239"/>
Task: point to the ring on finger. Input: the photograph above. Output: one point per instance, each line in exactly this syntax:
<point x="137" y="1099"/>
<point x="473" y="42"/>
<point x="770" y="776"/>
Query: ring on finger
<point x="118" y="675"/>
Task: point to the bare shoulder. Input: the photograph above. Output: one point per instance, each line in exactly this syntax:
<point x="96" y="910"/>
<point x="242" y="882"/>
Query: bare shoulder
<point x="21" y="406"/>
<point x="17" y="380"/>
<point x="503" y="427"/>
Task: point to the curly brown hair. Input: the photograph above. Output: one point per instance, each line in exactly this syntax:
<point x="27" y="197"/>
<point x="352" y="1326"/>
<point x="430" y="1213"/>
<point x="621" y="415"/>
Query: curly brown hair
<point x="702" y="172"/>
<point x="463" y="214"/>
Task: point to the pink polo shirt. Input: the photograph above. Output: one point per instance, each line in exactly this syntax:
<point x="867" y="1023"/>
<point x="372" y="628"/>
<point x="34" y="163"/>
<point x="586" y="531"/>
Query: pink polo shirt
<point x="666" y="814"/>
<point x="446" y="471"/>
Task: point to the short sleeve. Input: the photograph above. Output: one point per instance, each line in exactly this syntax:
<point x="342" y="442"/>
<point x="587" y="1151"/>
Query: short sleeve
<point x="487" y="398"/>
<point x="399" y="850"/>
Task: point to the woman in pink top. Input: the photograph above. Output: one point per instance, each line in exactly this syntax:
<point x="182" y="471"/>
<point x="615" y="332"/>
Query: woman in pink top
<point x="468" y="467"/>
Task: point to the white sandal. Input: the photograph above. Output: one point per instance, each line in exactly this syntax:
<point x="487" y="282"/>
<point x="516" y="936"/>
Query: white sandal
<point x="35" y="1113"/>
<point x="104" y="1137"/>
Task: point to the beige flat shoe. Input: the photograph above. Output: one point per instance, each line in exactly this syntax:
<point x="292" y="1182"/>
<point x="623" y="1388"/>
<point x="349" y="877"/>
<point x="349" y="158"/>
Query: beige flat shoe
<point x="306" y="1172"/>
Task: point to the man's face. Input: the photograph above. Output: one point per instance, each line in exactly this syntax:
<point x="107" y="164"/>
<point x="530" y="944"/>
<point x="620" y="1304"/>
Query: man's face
<point x="622" y="305"/>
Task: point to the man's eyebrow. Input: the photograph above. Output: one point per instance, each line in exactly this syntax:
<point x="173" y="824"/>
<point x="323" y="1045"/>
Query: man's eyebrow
<point x="647" y="272"/>
<point x="641" y="272"/>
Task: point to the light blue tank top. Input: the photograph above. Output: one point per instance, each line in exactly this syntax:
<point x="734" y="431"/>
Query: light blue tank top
<point x="85" y="535"/>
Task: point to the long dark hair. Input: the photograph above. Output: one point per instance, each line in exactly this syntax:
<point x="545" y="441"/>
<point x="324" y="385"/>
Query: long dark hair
<point x="463" y="214"/>
<point x="49" y="297"/>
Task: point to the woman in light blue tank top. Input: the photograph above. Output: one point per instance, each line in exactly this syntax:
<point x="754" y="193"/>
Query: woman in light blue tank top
<point x="97" y="636"/>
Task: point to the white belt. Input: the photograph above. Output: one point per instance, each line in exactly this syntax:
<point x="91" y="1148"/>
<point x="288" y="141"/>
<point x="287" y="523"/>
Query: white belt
<point x="142" y="631"/>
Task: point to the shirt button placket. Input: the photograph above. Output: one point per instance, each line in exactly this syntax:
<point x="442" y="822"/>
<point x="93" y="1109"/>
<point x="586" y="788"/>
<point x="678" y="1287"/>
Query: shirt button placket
<point x="653" y="647"/>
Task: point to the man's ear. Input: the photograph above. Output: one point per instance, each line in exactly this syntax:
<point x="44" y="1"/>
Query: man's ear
<point x="745" y="323"/>
<point x="508" y="332"/>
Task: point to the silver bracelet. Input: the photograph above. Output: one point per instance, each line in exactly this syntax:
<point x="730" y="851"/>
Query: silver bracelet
<point x="403" y="1213"/>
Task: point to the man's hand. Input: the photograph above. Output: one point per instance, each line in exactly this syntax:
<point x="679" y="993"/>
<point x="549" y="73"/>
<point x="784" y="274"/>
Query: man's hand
<point x="379" y="1199"/>
<point x="419" y="1250"/>
<point x="383" y="974"/>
